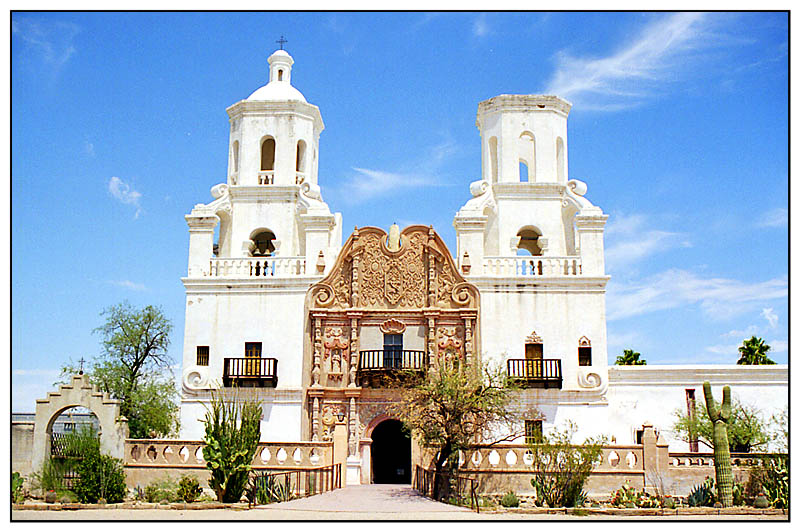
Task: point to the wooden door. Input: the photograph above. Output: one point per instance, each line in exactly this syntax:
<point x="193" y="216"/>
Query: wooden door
<point x="252" y="354"/>
<point x="534" y="353"/>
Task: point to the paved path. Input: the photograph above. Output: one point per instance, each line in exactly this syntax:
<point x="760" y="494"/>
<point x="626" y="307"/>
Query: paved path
<point x="373" y="501"/>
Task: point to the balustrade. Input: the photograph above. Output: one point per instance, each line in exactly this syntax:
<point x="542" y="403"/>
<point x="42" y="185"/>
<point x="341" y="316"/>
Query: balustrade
<point x="258" y="267"/>
<point x="536" y="372"/>
<point x="266" y="177"/>
<point x="268" y="455"/>
<point x="532" y="266"/>
<point x="250" y="371"/>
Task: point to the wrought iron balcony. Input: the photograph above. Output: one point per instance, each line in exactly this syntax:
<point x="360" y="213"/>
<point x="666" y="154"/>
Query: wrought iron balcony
<point x="376" y="365"/>
<point x="250" y="372"/>
<point x="535" y="373"/>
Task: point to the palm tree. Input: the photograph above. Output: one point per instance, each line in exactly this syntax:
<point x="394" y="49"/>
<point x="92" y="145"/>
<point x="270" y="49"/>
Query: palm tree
<point x="629" y="357"/>
<point x="754" y="352"/>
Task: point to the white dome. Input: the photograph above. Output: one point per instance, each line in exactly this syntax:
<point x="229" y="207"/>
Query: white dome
<point x="277" y="91"/>
<point x="279" y="88"/>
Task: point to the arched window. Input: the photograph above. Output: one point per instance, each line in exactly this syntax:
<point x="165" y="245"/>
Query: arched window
<point x="268" y="154"/>
<point x="235" y="156"/>
<point x="523" y="171"/>
<point x="493" y="158"/>
<point x="264" y="245"/>
<point x="560" y="159"/>
<point x="301" y="156"/>
<point x="280" y="75"/>
<point x="584" y="352"/>
<point x="529" y="241"/>
<point x="527" y="157"/>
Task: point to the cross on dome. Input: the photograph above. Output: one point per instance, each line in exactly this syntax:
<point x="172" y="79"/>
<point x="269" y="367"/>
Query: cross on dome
<point x="282" y="41"/>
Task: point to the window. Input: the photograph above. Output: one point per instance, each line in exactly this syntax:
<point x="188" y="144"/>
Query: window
<point x="252" y="352"/>
<point x="585" y="356"/>
<point x="392" y="350"/>
<point x="691" y="406"/>
<point x="268" y="154"/>
<point x="639" y="436"/>
<point x="533" y="431"/>
<point x="202" y="355"/>
<point x="523" y="171"/>
<point x="252" y="349"/>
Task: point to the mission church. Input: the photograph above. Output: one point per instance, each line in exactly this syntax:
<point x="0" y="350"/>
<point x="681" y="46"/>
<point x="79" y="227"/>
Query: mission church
<point x="311" y="325"/>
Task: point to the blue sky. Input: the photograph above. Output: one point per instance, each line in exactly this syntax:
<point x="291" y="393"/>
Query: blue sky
<point x="679" y="127"/>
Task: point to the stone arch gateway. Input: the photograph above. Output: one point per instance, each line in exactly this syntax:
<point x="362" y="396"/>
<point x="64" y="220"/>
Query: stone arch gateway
<point x="79" y="392"/>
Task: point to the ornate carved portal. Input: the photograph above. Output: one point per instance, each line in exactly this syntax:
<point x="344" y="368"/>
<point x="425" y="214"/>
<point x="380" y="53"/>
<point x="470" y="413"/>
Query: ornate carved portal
<point x="413" y="285"/>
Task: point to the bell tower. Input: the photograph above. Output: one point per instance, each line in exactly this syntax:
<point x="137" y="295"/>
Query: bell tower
<point x="271" y="204"/>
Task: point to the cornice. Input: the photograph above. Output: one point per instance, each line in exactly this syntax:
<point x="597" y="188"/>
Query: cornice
<point x="536" y="191"/>
<point x="250" y="285"/>
<point x="258" y="108"/>
<point x="540" y="284"/>
<point x="539" y="103"/>
<point x="722" y="374"/>
<point x="258" y="193"/>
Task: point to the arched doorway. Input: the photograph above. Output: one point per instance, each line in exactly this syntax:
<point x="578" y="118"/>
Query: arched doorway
<point x="391" y="453"/>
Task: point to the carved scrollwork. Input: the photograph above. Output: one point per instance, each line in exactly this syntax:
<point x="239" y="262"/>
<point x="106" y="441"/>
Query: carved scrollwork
<point x="323" y="295"/>
<point x="195" y="378"/>
<point x="449" y="339"/>
<point x="393" y="326"/>
<point x="463" y="294"/>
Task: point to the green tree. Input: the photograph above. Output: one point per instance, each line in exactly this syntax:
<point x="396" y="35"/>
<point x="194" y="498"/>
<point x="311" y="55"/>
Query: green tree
<point x="754" y="352"/>
<point x="233" y="430"/>
<point x="135" y="368"/>
<point x="747" y="431"/>
<point x="454" y="408"/>
<point x="629" y="357"/>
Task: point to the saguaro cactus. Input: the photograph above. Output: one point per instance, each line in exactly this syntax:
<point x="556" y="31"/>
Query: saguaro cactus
<point x="719" y="416"/>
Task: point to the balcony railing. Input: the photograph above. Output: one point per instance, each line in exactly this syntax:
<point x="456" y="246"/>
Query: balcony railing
<point x="375" y="367"/>
<point x="258" y="267"/>
<point x="535" y="373"/>
<point x="266" y="177"/>
<point x="250" y="372"/>
<point x="532" y="266"/>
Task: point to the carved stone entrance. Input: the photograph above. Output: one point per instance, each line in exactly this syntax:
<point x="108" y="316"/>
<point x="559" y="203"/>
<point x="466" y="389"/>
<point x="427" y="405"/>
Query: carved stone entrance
<point x="391" y="453"/>
<point x="79" y="392"/>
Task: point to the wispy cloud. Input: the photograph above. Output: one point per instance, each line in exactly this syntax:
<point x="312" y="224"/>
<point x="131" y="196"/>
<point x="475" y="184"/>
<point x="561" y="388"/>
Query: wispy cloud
<point x="88" y="147"/>
<point x="632" y="73"/>
<point x="774" y="218"/>
<point x="630" y="241"/>
<point x="49" y="373"/>
<point x="749" y="331"/>
<point x="125" y="193"/>
<point x="770" y="316"/>
<point x="719" y="298"/>
<point x="480" y="26"/>
<point x="778" y="346"/>
<point x="724" y="349"/>
<point x="138" y="287"/>
<point x="50" y="41"/>
<point x="369" y="183"/>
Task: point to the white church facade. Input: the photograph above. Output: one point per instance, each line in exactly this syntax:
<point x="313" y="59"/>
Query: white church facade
<point x="310" y="325"/>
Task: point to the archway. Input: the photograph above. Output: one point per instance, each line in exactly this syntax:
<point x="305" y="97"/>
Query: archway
<point x="391" y="453"/>
<point x="79" y="392"/>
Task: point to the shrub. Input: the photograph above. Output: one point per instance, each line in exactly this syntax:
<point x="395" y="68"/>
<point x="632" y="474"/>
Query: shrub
<point x="17" y="495"/>
<point x="269" y="488"/>
<point x="68" y="497"/>
<point x="160" y="490"/>
<point x="101" y="476"/>
<point x="628" y="496"/>
<point x="50" y="477"/>
<point x="233" y="430"/>
<point x="189" y="488"/>
<point x="775" y="481"/>
<point x="509" y="500"/>
<point x="702" y="494"/>
<point x="561" y="469"/>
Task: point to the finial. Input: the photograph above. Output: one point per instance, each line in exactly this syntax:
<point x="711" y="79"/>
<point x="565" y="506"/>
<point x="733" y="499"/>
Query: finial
<point x="81" y="362"/>
<point x="281" y="41"/>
